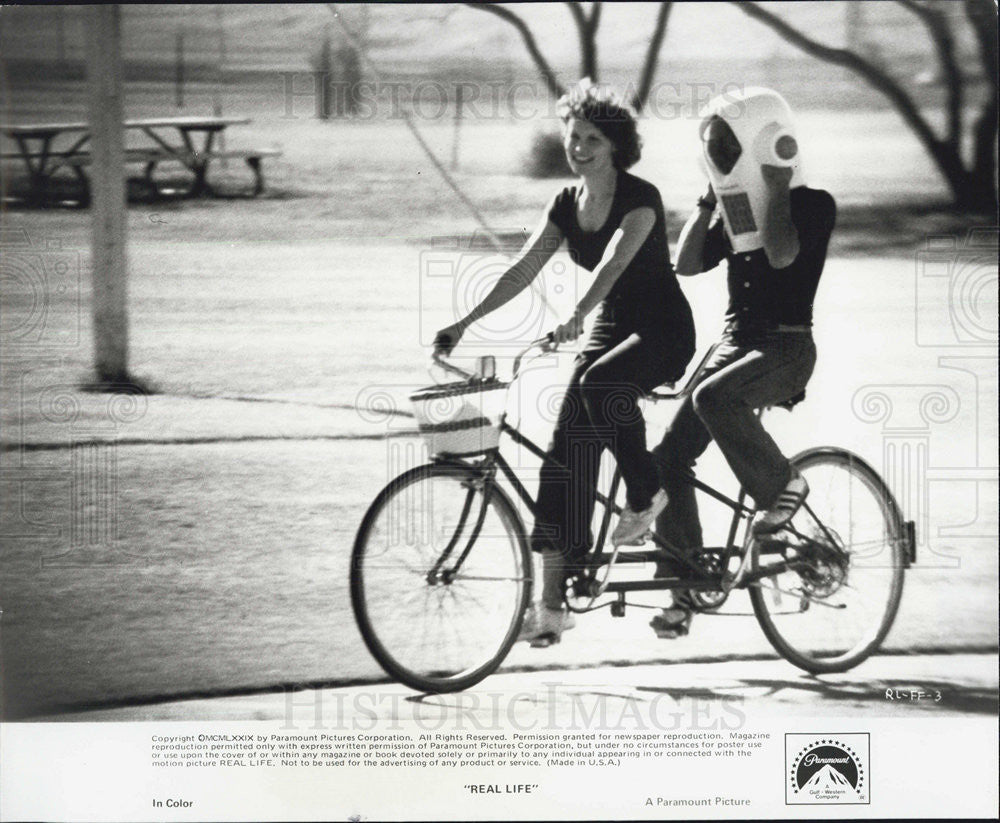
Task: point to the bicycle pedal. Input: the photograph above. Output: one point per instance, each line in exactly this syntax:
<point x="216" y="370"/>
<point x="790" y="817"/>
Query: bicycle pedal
<point x="670" y="632"/>
<point x="543" y="641"/>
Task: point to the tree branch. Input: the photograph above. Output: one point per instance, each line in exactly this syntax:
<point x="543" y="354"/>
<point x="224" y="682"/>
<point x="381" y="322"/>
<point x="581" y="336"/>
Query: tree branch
<point x="595" y="15"/>
<point x="652" y="56"/>
<point x="592" y="24"/>
<point x="982" y="17"/>
<point x="937" y="26"/>
<point x="588" y="49"/>
<point x="843" y="57"/>
<point x="548" y="75"/>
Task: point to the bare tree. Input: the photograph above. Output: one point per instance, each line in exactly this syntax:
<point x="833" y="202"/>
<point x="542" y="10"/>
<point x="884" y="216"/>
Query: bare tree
<point x="587" y="22"/>
<point x="973" y="183"/>
<point x="586" y="26"/>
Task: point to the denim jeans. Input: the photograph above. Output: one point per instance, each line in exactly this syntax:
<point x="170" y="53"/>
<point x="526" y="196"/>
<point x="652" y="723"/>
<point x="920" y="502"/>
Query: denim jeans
<point x="599" y="410"/>
<point x="743" y="374"/>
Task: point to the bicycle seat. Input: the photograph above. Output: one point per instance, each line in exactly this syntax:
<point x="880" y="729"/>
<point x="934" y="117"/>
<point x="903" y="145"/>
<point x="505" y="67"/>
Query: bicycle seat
<point x="792" y="401"/>
<point x="665" y="391"/>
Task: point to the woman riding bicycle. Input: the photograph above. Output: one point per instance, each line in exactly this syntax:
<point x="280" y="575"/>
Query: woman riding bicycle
<point x="643" y="336"/>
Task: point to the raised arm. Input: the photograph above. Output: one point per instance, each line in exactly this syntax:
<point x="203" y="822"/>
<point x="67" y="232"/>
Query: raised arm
<point x="691" y="243"/>
<point x="781" y="239"/>
<point x="623" y="246"/>
<point x="533" y="256"/>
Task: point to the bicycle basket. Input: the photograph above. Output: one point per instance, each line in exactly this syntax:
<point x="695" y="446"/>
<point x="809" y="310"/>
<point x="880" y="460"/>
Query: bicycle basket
<point x="460" y="419"/>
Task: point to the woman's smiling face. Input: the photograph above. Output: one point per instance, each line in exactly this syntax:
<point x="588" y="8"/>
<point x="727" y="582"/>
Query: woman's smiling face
<point x="587" y="149"/>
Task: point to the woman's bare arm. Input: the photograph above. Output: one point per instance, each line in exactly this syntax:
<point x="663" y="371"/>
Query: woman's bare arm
<point x="532" y="258"/>
<point x="623" y="246"/>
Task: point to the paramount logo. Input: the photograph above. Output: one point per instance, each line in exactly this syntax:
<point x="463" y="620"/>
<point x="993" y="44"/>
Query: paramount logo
<point x="826" y="769"/>
<point x="812" y="758"/>
<point x="827" y="779"/>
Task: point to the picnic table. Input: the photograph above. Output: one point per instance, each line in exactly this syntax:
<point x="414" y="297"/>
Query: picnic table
<point x="45" y="148"/>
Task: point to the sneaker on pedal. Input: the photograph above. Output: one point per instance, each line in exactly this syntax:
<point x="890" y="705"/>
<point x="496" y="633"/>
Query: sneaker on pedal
<point x="632" y="526"/>
<point x="674" y="622"/>
<point x="783" y="509"/>
<point x="543" y="626"/>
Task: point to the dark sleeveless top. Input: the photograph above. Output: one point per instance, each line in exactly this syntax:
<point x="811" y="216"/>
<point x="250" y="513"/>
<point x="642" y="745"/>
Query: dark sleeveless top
<point x="647" y="292"/>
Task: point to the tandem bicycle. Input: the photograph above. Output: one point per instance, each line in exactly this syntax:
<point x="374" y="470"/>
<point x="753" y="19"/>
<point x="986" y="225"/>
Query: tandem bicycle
<point x="441" y="572"/>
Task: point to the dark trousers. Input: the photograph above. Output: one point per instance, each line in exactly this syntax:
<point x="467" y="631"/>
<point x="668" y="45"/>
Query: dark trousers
<point x="741" y="376"/>
<point x="599" y="410"/>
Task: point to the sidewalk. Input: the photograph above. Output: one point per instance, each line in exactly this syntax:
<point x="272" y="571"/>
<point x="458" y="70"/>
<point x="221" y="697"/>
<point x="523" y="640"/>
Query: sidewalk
<point x="923" y="685"/>
<point x="198" y="541"/>
<point x="66" y="416"/>
<point x="234" y="521"/>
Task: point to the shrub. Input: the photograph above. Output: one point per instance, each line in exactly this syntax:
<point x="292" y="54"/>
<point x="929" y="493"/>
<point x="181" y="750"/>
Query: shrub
<point x="546" y="157"/>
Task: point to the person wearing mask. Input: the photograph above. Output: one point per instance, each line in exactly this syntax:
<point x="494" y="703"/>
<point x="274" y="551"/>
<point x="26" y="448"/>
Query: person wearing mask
<point x="773" y="232"/>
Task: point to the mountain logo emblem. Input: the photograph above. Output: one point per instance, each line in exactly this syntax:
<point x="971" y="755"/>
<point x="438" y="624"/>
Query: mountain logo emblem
<point x="828" y="770"/>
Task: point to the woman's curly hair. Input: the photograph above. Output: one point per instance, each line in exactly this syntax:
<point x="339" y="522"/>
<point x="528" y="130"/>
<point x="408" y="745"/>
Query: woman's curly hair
<point x="602" y="108"/>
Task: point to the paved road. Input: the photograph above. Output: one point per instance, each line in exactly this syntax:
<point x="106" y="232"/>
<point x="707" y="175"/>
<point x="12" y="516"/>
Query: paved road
<point x="197" y="540"/>
<point x="887" y="686"/>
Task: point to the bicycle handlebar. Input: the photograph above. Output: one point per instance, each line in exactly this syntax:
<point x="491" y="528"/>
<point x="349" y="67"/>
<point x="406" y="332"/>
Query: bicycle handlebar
<point x="438" y="360"/>
<point x="546" y="344"/>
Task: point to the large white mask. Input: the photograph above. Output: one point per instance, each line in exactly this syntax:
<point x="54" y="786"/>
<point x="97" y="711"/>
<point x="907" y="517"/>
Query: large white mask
<point x="762" y="124"/>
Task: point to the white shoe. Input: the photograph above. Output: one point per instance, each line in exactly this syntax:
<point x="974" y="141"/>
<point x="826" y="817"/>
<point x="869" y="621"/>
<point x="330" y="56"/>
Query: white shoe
<point x="543" y="626"/>
<point x="633" y="525"/>
<point x="784" y="508"/>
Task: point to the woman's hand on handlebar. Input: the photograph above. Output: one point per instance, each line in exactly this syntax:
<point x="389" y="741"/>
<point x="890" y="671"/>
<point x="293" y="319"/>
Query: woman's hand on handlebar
<point x="447" y="338"/>
<point x="568" y="331"/>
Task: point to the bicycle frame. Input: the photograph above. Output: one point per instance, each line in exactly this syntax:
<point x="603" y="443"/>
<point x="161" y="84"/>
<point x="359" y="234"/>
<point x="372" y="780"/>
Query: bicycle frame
<point x="818" y="562"/>
<point x="697" y="579"/>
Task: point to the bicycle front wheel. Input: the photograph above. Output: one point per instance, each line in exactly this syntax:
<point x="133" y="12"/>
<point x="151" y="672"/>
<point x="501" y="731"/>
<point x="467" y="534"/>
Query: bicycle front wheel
<point x="441" y="575"/>
<point x="838" y="568"/>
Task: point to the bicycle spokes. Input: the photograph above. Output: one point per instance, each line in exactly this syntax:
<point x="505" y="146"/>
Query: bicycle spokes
<point x="826" y="588"/>
<point x="441" y="575"/>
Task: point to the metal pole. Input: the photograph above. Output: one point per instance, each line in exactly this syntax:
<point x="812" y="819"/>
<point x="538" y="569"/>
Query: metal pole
<point x="459" y="105"/>
<point x="179" y="68"/>
<point x="854" y="27"/>
<point x="217" y="107"/>
<point x="61" y="39"/>
<point x="108" y="245"/>
<point x="324" y="77"/>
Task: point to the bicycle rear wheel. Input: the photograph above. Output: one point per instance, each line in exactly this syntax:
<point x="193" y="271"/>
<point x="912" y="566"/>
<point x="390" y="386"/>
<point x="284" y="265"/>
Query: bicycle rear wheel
<point x="839" y="568"/>
<point x="441" y="575"/>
